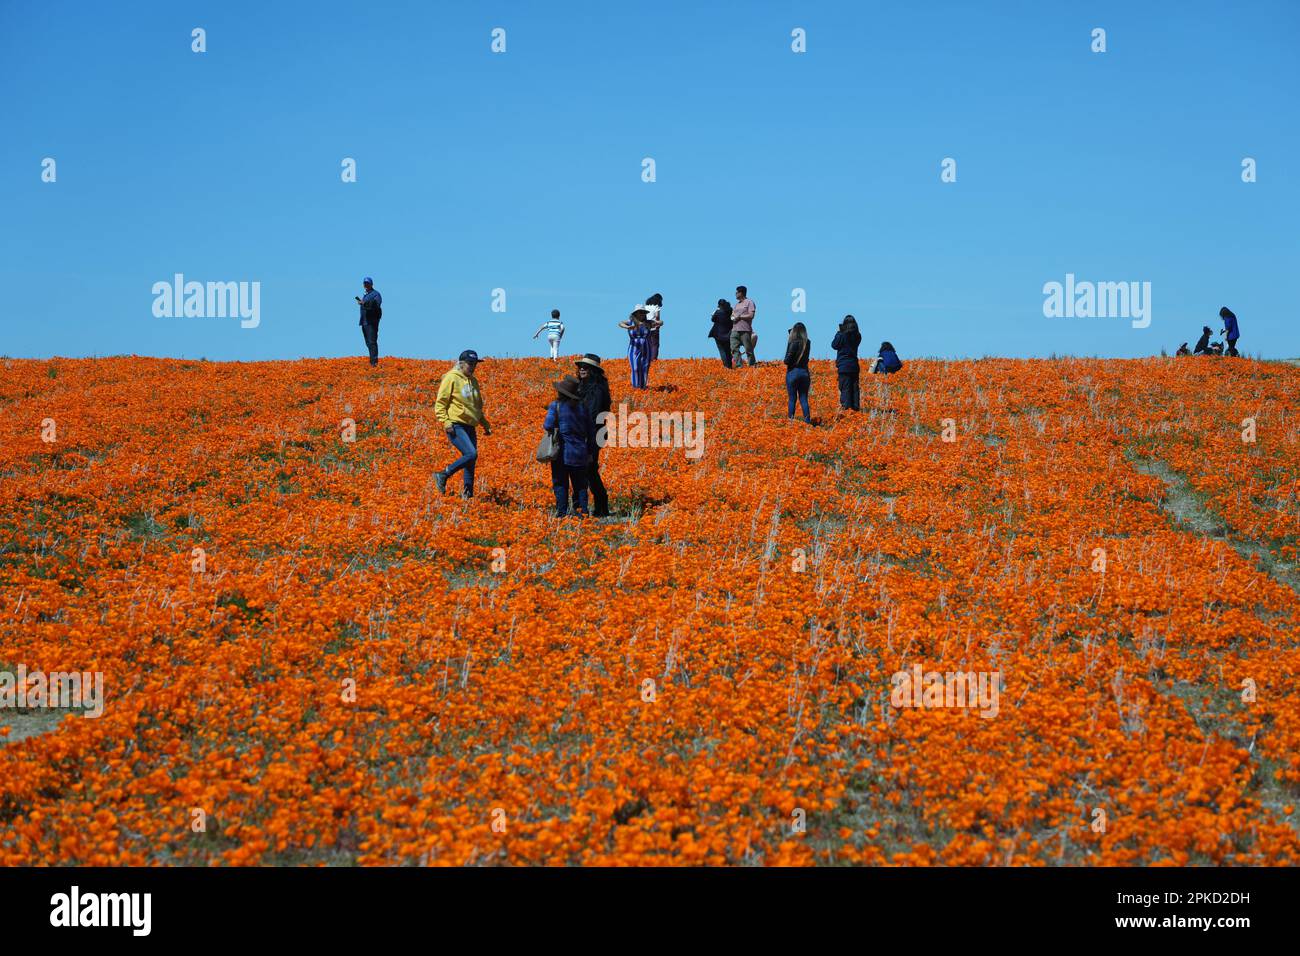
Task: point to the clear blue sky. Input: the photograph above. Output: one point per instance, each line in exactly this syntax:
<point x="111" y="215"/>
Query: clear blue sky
<point x="522" y="170"/>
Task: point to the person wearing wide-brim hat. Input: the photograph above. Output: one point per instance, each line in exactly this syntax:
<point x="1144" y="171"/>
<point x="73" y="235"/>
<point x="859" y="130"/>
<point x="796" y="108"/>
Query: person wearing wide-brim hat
<point x="639" y="325"/>
<point x="577" y="439"/>
<point x="593" y="390"/>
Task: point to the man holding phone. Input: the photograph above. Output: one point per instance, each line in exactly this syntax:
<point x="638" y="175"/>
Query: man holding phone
<point x="371" y="311"/>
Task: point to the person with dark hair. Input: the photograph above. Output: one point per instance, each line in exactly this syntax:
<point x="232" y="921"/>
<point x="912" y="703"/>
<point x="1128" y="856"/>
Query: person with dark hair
<point x="577" y="438"/>
<point x="888" y="362"/>
<point x="1203" y="343"/>
<point x="554" y="330"/>
<point x="797" y="380"/>
<point x="371" y="312"/>
<point x="846" y="342"/>
<point x="1230" y="329"/>
<point x="639" y="325"/>
<point x="721" y="331"/>
<point x="459" y="408"/>
<point x="742" y="327"/>
<point x="593" y="389"/>
<point x="654" y="307"/>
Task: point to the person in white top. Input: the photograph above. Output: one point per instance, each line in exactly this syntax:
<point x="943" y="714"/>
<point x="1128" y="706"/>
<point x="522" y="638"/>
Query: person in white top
<point x="554" y="330"/>
<point x="654" y="306"/>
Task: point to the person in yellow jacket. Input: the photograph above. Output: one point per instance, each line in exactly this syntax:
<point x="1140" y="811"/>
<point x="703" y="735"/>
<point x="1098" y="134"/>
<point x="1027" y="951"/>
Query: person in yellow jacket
<point x="459" y="408"/>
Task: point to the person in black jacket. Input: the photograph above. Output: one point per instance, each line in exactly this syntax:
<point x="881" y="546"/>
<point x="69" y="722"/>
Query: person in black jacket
<point x="593" y="393"/>
<point x="845" y="344"/>
<point x="656" y="302"/>
<point x="1203" y="343"/>
<point x="721" y="331"/>
<point x="797" y="379"/>
<point x="371" y="311"/>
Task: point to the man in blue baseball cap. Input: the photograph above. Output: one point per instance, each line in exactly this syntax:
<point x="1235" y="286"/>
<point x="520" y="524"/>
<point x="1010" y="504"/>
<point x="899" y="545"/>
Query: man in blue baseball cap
<point x="371" y="311"/>
<point x="459" y="410"/>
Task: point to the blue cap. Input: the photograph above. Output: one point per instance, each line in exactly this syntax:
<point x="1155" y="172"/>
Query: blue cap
<point x="469" y="355"/>
<point x="367" y="281"/>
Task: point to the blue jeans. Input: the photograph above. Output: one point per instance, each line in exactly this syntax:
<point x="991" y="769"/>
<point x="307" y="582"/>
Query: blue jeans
<point x="562" y="477"/>
<point x="797" y="383"/>
<point x="466" y="442"/>
<point x="370" y="331"/>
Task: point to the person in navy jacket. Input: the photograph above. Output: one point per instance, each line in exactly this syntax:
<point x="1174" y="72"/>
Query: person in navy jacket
<point x="371" y="311"/>
<point x="889" y="361"/>
<point x="577" y="440"/>
<point x="846" y="342"/>
<point x="1230" y="330"/>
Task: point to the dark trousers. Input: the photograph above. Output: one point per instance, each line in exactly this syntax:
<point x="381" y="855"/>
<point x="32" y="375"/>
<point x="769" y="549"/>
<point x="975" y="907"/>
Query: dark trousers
<point x="564" y="477"/>
<point x="724" y="351"/>
<point x="797" y="383"/>
<point x="1232" y="347"/>
<point x="465" y="440"/>
<point x="850" y="395"/>
<point x="599" y="497"/>
<point x="371" y="332"/>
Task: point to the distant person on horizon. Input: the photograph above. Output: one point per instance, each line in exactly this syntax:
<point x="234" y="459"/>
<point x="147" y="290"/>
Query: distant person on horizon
<point x="371" y="311"/>
<point x="888" y="362"/>
<point x="1203" y="343"/>
<point x="721" y="331"/>
<point x="797" y="380"/>
<point x="1230" y="329"/>
<point x="654" y="308"/>
<point x="1183" y="350"/>
<point x="639" y="326"/>
<point x="459" y="408"/>
<point x="593" y="390"/>
<point x="846" y="342"/>
<point x="554" y="330"/>
<point x="742" y="327"/>
<point x="577" y="439"/>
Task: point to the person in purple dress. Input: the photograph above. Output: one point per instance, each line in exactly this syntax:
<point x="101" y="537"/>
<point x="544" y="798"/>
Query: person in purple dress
<point x="639" y="325"/>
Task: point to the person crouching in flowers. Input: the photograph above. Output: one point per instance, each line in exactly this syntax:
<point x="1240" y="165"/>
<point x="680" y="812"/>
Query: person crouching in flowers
<point x="888" y="361"/>
<point x="639" y="325"/>
<point x="577" y="442"/>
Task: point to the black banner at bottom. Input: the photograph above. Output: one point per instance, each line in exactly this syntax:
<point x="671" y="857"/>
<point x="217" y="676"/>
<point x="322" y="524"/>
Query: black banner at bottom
<point x="337" y="905"/>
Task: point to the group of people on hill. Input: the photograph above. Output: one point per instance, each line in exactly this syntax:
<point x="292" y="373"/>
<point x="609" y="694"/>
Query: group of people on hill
<point x="574" y="417"/>
<point x="732" y="331"/>
<point x="574" y="414"/>
<point x="848" y="370"/>
<point x="1230" y="331"/>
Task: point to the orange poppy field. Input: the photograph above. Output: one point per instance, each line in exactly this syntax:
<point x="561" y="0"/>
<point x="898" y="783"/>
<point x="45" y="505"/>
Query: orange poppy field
<point x="309" y="656"/>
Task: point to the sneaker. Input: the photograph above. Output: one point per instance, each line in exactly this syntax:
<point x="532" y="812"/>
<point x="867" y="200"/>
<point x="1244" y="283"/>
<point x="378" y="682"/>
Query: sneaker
<point x="440" y="480"/>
